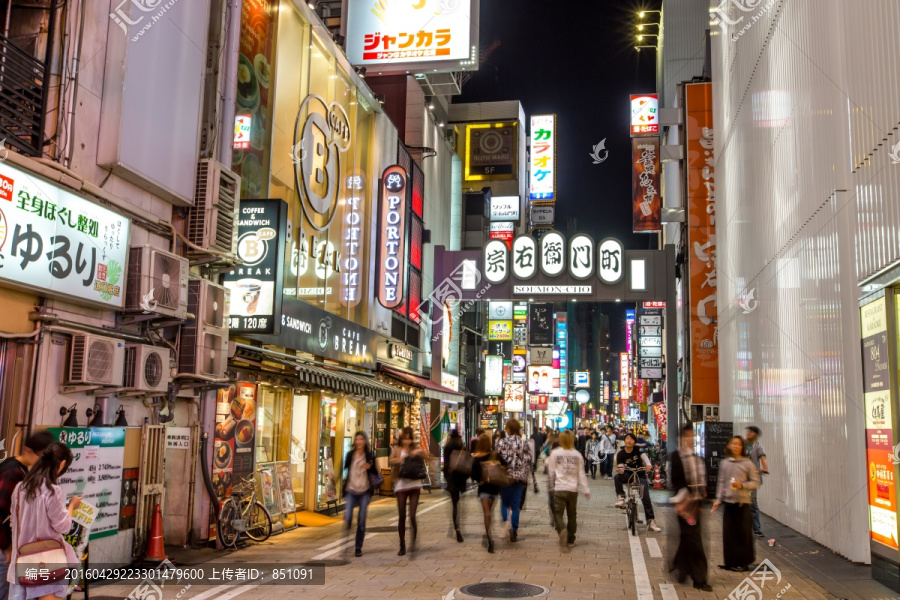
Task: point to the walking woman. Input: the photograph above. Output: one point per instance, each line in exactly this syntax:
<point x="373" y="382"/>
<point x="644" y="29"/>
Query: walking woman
<point x="592" y="454"/>
<point x="737" y="479"/>
<point x="456" y="480"/>
<point x="487" y="493"/>
<point x="405" y="490"/>
<point x="360" y="465"/>
<point x="38" y="512"/>
<point x="515" y="453"/>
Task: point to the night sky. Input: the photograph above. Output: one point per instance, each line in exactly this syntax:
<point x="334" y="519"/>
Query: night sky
<point x="575" y="58"/>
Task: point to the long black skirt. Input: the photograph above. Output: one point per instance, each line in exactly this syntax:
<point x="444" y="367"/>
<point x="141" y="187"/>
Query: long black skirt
<point x="737" y="535"/>
<point x="690" y="559"/>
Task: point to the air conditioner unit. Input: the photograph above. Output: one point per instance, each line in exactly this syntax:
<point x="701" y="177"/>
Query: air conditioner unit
<point x="212" y="222"/>
<point x="96" y="360"/>
<point x="204" y="340"/>
<point x="157" y="282"/>
<point x="147" y="368"/>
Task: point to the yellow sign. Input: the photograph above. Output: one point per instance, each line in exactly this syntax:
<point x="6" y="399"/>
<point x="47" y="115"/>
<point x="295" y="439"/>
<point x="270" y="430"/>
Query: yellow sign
<point x="500" y="331"/>
<point x="491" y="151"/>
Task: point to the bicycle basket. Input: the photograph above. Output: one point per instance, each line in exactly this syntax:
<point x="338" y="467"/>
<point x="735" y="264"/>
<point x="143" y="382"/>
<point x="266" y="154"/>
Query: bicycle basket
<point x="239" y="524"/>
<point x="636" y="490"/>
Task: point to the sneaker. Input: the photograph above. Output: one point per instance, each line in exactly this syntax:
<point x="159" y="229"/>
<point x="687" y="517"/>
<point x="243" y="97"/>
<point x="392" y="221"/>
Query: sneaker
<point x="563" y="538"/>
<point x="703" y="587"/>
<point x="652" y="526"/>
<point x="759" y="534"/>
<point x="620" y="502"/>
<point x="609" y="476"/>
<point x="570" y="544"/>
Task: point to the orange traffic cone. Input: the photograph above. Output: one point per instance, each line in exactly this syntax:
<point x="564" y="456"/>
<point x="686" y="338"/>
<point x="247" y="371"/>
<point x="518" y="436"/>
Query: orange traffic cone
<point x="657" y="481"/>
<point x="155" y="547"/>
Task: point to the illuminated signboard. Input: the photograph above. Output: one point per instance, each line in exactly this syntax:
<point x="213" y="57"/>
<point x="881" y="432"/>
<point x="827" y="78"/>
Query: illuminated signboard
<point x="401" y="36"/>
<point x="524" y="263"/>
<point x="542" y="380"/>
<point x="392" y="237"/>
<point x="491" y="150"/>
<point x="242" y="127"/>
<point x="493" y="375"/>
<point x="581" y="379"/>
<point x="542" y="180"/>
<point x="581" y="256"/>
<point x="553" y="254"/>
<point x="504" y="232"/>
<point x="496" y="261"/>
<point x="645" y="186"/>
<point x="514" y="397"/>
<point x="611" y="263"/>
<point x="504" y="208"/>
<point x="353" y="240"/>
<point x="450" y="381"/>
<point x="500" y="331"/>
<point x="624" y="377"/>
<point x="499" y="310"/>
<point x="644" y="114"/>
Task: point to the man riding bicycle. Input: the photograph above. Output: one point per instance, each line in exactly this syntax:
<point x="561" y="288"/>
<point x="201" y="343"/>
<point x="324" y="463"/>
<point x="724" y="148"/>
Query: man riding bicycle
<point x="632" y="458"/>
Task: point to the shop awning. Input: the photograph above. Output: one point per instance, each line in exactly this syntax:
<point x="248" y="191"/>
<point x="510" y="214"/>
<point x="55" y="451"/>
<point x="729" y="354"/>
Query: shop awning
<point x="323" y="376"/>
<point x="431" y="389"/>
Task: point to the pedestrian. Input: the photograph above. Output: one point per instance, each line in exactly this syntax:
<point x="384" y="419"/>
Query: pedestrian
<point x="38" y="513"/>
<point x="12" y="472"/>
<point x="360" y="466"/>
<point x="607" y="452"/>
<point x="474" y="439"/>
<point x="737" y="478"/>
<point x="592" y="454"/>
<point x="757" y="456"/>
<point x="537" y="443"/>
<point x="456" y="479"/>
<point x="550" y="445"/>
<point x="566" y="475"/>
<point x="406" y="490"/>
<point x="581" y="445"/>
<point x="516" y="454"/>
<point x="631" y="456"/>
<point x="487" y="493"/>
<point x="687" y="475"/>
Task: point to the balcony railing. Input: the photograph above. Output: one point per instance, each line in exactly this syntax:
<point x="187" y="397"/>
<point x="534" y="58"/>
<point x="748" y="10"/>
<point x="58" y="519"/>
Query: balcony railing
<point x="21" y="99"/>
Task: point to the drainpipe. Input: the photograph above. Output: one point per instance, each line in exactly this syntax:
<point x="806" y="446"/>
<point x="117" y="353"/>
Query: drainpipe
<point x="48" y="57"/>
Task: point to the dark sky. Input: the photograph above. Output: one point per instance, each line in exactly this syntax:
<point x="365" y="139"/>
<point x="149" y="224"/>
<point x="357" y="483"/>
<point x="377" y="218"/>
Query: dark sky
<point x="575" y="58"/>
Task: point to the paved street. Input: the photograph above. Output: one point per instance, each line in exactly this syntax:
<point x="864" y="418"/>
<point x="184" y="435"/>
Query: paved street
<point x="606" y="562"/>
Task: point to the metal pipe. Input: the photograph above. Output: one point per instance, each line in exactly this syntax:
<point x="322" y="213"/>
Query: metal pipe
<point x="304" y="360"/>
<point x="7" y="18"/>
<point x="48" y="58"/>
<point x="54" y="323"/>
<point x="672" y="400"/>
<point x="229" y="86"/>
<point x="73" y="93"/>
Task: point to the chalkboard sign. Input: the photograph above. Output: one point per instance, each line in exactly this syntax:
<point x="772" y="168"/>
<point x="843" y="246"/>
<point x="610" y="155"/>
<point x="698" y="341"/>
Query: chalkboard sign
<point x="716" y="435"/>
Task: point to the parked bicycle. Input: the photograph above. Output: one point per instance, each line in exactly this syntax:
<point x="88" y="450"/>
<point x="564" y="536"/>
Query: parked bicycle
<point x="243" y="513"/>
<point x="634" y="492"/>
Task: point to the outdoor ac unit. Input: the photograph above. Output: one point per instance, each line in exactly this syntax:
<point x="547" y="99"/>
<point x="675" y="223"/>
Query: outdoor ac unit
<point x="212" y="223"/>
<point x="157" y="282"/>
<point x="147" y="368"/>
<point x="204" y="340"/>
<point x="96" y="360"/>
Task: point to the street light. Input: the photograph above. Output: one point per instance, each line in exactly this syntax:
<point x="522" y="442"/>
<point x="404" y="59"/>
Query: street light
<point x="647" y="12"/>
<point x="643" y="35"/>
<point x="642" y="25"/>
<point x="638" y="48"/>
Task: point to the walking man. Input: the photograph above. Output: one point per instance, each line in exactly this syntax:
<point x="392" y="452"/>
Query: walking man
<point x="607" y="452"/>
<point x="687" y="475"/>
<point x="758" y="457"/>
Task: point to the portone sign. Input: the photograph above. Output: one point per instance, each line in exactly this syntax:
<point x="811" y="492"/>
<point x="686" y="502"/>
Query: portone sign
<point x="392" y="237"/>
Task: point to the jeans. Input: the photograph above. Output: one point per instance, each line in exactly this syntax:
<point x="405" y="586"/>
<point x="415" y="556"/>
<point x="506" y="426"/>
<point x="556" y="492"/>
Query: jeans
<point x="754" y="509"/>
<point x="362" y="501"/>
<point x="4" y="585"/>
<point x="566" y="502"/>
<point x="622" y="478"/>
<point x="606" y="465"/>
<point x="511" y="498"/>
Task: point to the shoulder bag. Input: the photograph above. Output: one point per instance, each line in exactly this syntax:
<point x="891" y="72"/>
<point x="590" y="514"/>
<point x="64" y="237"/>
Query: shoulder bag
<point x="413" y="467"/>
<point x="461" y="462"/>
<point x="39" y="562"/>
<point x="494" y="473"/>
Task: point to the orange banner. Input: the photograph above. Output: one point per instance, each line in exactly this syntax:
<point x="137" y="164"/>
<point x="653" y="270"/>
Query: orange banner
<point x="702" y="243"/>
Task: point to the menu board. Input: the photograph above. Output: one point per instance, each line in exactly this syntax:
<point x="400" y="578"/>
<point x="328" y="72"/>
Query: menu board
<point x="235" y="437"/>
<point x="96" y="472"/>
<point x="285" y="492"/>
<point x="715" y="437"/>
<point x="267" y="488"/>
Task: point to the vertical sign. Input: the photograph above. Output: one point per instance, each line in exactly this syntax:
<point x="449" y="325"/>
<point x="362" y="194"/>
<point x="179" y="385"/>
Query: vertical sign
<point x="540" y="324"/>
<point x="624" y="380"/>
<point x="493" y="375"/>
<point x="392" y="237"/>
<point x="562" y="343"/>
<point x="879" y="424"/>
<point x="354" y="241"/>
<point x="644" y="114"/>
<point x="702" y="243"/>
<point x="542" y="181"/>
<point x="646" y="202"/>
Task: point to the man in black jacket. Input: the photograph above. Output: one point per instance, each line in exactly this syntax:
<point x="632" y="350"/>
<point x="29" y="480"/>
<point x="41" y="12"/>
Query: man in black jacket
<point x="581" y="445"/>
<point x="687" y="476"/>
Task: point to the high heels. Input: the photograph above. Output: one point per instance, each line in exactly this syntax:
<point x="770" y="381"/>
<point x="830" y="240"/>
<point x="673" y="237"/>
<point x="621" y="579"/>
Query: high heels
<point x="459" y="537"/>
<point x="490" y="545"/>
<point x="402" y="549"/>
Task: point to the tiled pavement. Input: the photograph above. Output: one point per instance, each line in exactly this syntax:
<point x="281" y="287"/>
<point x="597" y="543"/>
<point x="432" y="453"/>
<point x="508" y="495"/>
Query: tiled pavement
<point x="601" y="565"/>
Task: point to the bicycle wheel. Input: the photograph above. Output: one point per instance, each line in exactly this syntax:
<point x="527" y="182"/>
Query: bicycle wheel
<point x="259" y="523"/>
<point x="632" y="517"/>
<point x="228" y="535"/>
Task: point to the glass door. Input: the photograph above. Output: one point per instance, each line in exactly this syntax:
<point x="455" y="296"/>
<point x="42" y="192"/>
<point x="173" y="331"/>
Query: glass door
<point x="299" y="454"/>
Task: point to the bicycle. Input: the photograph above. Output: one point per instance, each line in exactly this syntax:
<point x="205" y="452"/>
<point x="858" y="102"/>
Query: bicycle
<point x="243" y="513"/>
<point x="634" y="493"/>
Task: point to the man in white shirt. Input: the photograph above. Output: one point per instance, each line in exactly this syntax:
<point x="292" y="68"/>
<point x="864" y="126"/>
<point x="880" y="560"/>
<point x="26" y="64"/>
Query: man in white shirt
<point x="565" y="472"/>
<point x="608" y="450"/>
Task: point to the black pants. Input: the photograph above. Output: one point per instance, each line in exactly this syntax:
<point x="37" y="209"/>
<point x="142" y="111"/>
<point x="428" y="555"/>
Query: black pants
<point x="402" y="496"/>
<point x="690" y="559"/>
<point x="622" y="478"/>
<point x="737" y="534"/>
<point x="606" y="465"/>
<point x="454" y="499"/>
<point x="593" y="466"/>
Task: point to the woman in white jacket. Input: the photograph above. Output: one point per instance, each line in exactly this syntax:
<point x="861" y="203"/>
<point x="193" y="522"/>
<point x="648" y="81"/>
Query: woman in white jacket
<point x="565" y="472"/>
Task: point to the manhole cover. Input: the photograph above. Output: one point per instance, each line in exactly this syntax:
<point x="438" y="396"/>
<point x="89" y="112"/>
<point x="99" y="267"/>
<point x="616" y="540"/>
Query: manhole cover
<point x="504" y="589"/>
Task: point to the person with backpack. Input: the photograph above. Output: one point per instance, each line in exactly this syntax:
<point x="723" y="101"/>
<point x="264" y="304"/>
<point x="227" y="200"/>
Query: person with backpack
<point x="12" y="472"/>
<point x="457" y="468"/>
<point x="565" y="470"/>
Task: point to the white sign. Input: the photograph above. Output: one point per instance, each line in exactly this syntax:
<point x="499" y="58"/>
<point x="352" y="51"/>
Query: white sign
<point x="58" y="243"/>
<point x="650" y="352"/>
<point x="504" y="208"/>
<point x="514" y="397"/>
<point x="651" y="374"/>
<point x="543" y="215"/>
<point x="582" y="396"/>
<point x="524" y="257"/>
<point x="496" y="261"/>
<point x="500" y="311"/>
<point x="611" y="261"/>
<point x="553" y="254"/>
<point x="650" y="362"/>
<point x="648" y="342"/>
<point x="450" y="381"/>
<point x="648" y="330"/>
<point x="537" y="290"/>
<point x="178" y="437"/>
<point x="581" y="257"/>
<point x="542" y="179"/>
<point x="503" y="227"/>
<point x="541" y="357"/>
<point x="493" y="375"/>
<point x="408" y="35"/>
<point x="651" y="320"/>
<point x="581" y="379"/>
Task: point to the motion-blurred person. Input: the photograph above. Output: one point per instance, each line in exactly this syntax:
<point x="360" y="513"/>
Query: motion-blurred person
<point x="631" y="456"/>
<point x="487" y="492"/>
<point x="360" y="466"/>
<point x="405" y="490"/>
<point x="456" y="479"/>
<point x="687" y="475"/>
<point x="565" y="470"/>
<point x="516" y="455"/>
<point x="592" y="454"/>
<point x="757" y="456"/>
<point x="608" y="452"/>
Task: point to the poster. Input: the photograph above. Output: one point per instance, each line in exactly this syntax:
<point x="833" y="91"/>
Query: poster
<point x="540" y="324"/>
<point x="235" y="437"/>
<point x="285" y="488"/>
<point x="330" y="491"/>
<point x="128" y="501"/>
<point x="82" y="521"/>
<point x="268" y="491"/>
<point x="96" y="472"/>
<point x="178" y="438"/>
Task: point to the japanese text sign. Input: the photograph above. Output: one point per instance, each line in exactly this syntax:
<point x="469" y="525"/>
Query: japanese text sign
<point x="644" y="114"/>
<point x="392" y="237"/>
<point x="542" y="180"/>
<point x="646" y="205"/>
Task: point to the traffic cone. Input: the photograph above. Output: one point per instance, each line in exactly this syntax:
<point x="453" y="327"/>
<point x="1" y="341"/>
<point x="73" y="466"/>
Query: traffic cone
<point x="155" y="547"/>
<point x="657" y="481"/>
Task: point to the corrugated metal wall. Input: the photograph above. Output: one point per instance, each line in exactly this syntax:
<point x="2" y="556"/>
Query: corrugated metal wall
<point x="804" y="90"/>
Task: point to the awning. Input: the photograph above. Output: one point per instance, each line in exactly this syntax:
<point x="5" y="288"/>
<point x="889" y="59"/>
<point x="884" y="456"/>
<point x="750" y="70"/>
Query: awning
<point x="431" y="389"/>
<point x="323" y="376"/>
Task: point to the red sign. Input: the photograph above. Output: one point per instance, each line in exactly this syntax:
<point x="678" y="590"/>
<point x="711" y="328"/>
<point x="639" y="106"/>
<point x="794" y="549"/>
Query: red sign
<point x="659" y="412"/>
<point x="645" y="187"/>
<point x="654" y="304"/>
<point x="392" y="237"/>
<point x="6" y="188"/>
<point x="506" y="236"/>
<point x="538" y="402"/>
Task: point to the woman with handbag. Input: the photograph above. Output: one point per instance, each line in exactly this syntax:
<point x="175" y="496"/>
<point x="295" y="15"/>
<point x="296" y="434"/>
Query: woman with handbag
<point x="359" y="485"/>
<point x="39" y="519"/>
<point x="457" y="468"/>
<point x="407" y="470"/>
<point x="484" y="464"/>
<point x="736" y="479"/>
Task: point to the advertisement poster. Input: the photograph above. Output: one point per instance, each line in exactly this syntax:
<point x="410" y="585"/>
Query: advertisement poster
<point x="540" y="324"/>
<point x="253" y="110"/>
<point x="96" y="472"/>
<point x="500" y="331"/>
<point x="645" y="186"/>
<point x="79" y="533"/>
<point x="514" y="397"/>
<point x="493" y="375"/>
<point x="268" y="491"/>
<point x="542" y="380"/>
<point x="235" y="435"/>
<point x="701" y="206"/>
<point x="491" y="150"/>
<point x="128" y="502"/>
<point x="285" y="493"/>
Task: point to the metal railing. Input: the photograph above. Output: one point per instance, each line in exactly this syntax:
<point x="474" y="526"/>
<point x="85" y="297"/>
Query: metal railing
<point x="21" y="99"/>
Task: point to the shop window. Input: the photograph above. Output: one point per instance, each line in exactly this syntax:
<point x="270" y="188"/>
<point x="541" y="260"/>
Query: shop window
<point x="273" y="425"/>
<point x="299" y="454"/>
<point x="328" y="476"/>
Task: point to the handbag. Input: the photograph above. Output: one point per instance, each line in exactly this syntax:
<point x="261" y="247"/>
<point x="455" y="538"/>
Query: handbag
<point x="376" y="480"/>
<point x="493" y="473"/>
<point x="413" y="467"/>
<point x="461" y="462"/>
<point x="40" y="562"/>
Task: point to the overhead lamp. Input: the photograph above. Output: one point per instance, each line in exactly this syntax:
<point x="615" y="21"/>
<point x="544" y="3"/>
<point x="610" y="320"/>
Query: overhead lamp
<point x="71" y="415"/>
<point x="647" y="12"/>
<point x="97" y="413"/>
<point x="441" y="124"/>
<point x="121" y="421"/>
<point x="311" y="4"/>
<point x="638" y="48"/>
<point x="643" y="35"/>
<point x="361" y="71"/>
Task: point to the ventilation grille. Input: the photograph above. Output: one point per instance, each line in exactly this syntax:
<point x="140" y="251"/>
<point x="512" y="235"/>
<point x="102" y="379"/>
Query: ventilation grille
<point x="212" y="221"/>
<point x="96" y="360"/>
<point x="165" y="280"/>
<point x="214" y="308"/>
<point x="157" y="282"/>
<point x="130" y="366"/>
<point x="153" y="369"/>
<point x="204" y="342"/>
